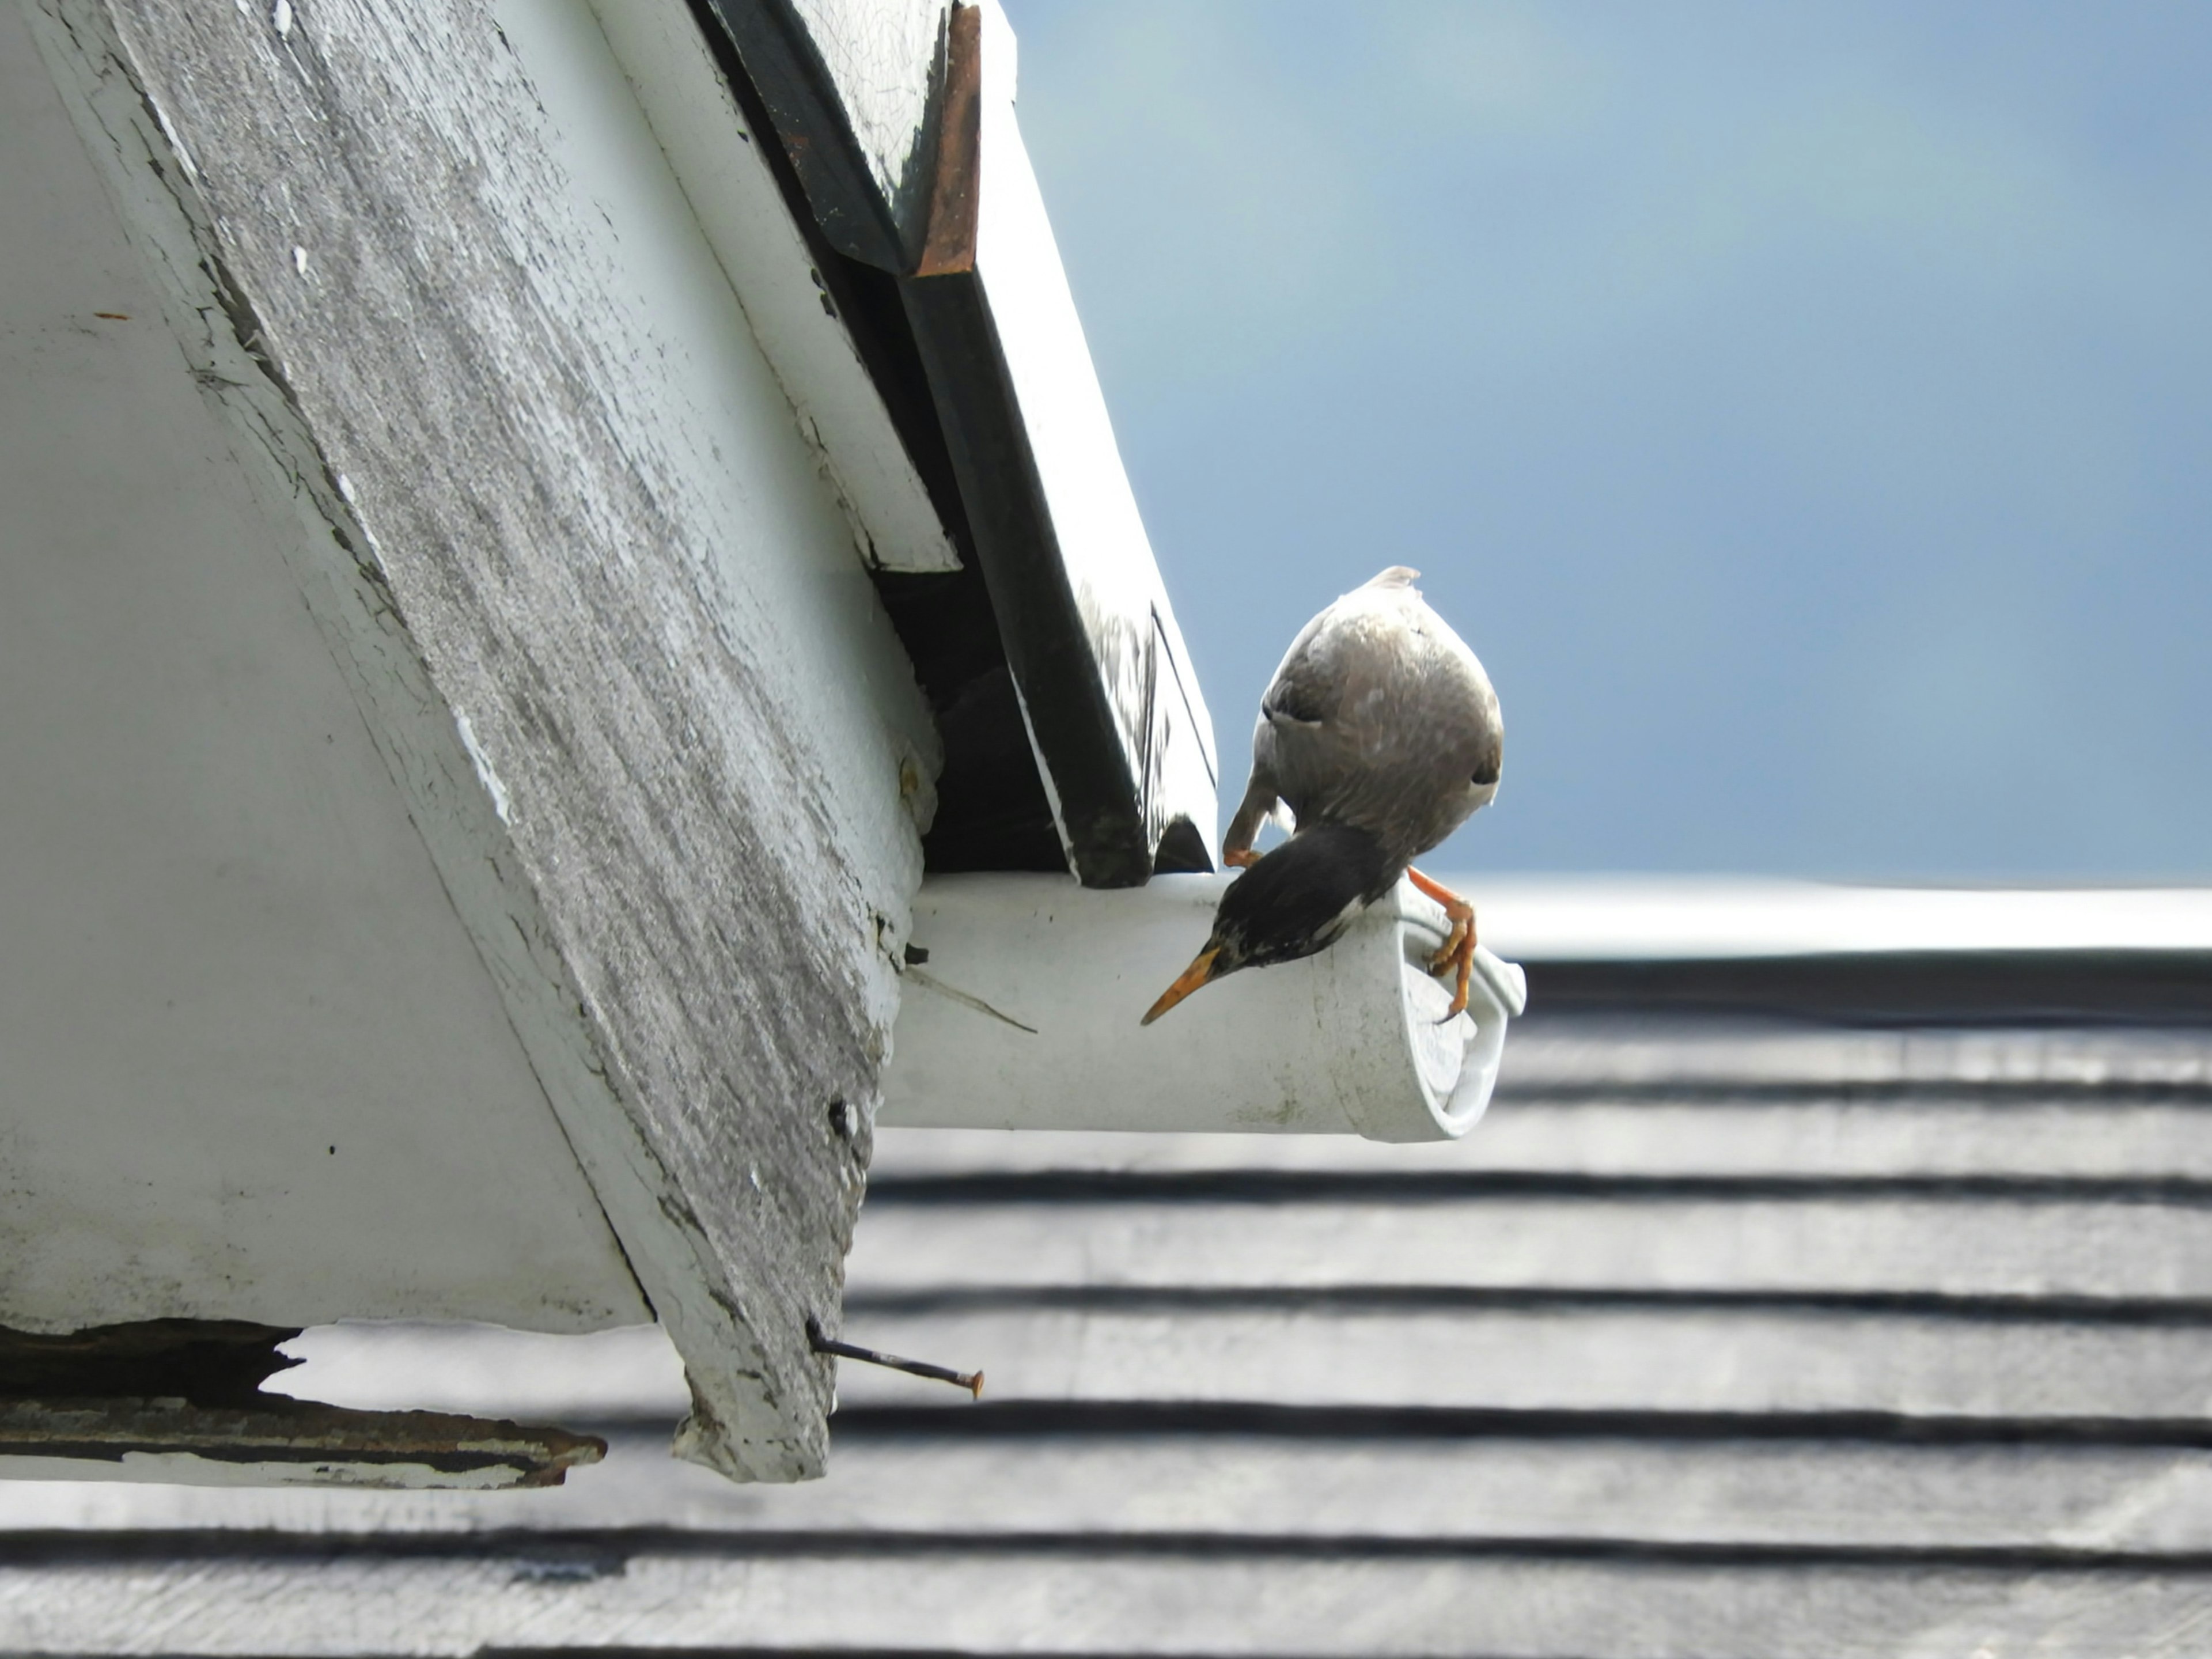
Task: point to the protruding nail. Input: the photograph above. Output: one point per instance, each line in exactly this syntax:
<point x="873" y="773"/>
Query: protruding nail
<point x="971" y="1381"/>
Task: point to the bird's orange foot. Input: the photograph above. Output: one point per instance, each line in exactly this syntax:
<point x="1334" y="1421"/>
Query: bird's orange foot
<point x="1240" y="857"/>
<point x="1458" y="950"/>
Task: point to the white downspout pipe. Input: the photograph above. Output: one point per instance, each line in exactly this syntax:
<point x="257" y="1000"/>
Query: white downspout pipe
<point x="1025" y="1016"/>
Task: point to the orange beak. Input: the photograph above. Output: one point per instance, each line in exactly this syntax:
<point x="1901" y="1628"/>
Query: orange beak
<point x="1200" y="972"/>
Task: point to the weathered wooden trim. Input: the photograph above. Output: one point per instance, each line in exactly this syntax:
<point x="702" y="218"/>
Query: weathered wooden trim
<point x="279" y="1443"/>
<point x="687" y="887"/>
<point x="806" y="337"/>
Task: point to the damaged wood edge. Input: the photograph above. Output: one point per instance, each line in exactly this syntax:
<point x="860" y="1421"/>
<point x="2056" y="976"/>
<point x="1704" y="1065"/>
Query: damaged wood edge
<point x="211" y="1362"/>
<point x="295" y="1440"/>
<point x="742" y="1423"/>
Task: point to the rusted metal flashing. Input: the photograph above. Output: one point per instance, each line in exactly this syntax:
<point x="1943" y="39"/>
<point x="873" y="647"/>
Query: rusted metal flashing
<point x="956" y="193"/>
<point x="291" y="1441"/>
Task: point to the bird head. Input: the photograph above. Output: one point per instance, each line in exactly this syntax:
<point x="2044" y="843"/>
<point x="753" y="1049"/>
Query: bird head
<point x="1293" y="902"/>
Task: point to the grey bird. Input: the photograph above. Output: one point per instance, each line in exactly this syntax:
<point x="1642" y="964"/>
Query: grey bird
<point x="1379" y="737"/>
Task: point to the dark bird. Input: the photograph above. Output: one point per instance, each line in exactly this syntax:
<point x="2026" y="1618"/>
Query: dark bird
<point x="1381" y="735"/>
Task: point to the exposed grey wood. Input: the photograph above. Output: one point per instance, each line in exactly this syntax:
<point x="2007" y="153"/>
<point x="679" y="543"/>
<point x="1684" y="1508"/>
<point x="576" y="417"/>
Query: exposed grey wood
<point x="961" y="1600"/>
<point x="2147" y="1253"/>
<point x="650" y="721"/>
<point x="1756" y="1360"/>
<point x="2085" y="1501"/>
<point x="255" y="1068"/>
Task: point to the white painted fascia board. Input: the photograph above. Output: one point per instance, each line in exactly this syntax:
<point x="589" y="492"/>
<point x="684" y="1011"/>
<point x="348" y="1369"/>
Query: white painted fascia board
<point x="718" y="161"/>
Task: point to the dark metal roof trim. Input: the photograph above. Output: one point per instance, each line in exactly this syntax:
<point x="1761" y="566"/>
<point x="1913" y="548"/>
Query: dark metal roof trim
<point x="1046" y="644"/>
<point x="1095" y="760"/>
<point x="795" y="91"/>
<point x="992" y="811"/>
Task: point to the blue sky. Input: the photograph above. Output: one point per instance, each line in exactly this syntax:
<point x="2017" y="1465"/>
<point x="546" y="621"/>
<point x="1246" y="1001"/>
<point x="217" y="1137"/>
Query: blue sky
<point x="1805" y="411"/>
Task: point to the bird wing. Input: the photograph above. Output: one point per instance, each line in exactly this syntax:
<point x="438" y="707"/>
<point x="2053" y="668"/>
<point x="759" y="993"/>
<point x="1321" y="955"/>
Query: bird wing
<point x="1310" y="683"/>
<point x="1307" y="690"/>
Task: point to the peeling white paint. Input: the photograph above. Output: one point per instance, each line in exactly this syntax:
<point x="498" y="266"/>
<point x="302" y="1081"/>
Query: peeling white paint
<point x="489" y="777"/>
<point x="684" y="932"/>
<point x="256" y="1067"/>
<point x="741" y="211"/>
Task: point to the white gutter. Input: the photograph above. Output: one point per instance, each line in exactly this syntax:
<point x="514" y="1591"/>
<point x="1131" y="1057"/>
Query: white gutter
<point x="1024" y="1016"/>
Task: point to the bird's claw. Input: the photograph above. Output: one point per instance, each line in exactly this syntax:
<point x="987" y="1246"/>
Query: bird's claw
<point x="1458" y="953"/>
<point x="1458" y="949"/>
<point x="1240" y="857"/>
<point x="1447" y="954"/>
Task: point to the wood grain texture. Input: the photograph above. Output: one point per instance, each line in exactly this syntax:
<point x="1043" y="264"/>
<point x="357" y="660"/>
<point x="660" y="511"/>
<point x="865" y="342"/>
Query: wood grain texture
<point x="601" y="612"/>
<point x="2090" y="1502"/>
<point x="537" y="1597"/>
<point x="2137" y="1255"/>
<point x="255" y="1066"/>
<point x="1563" y="1356"/>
